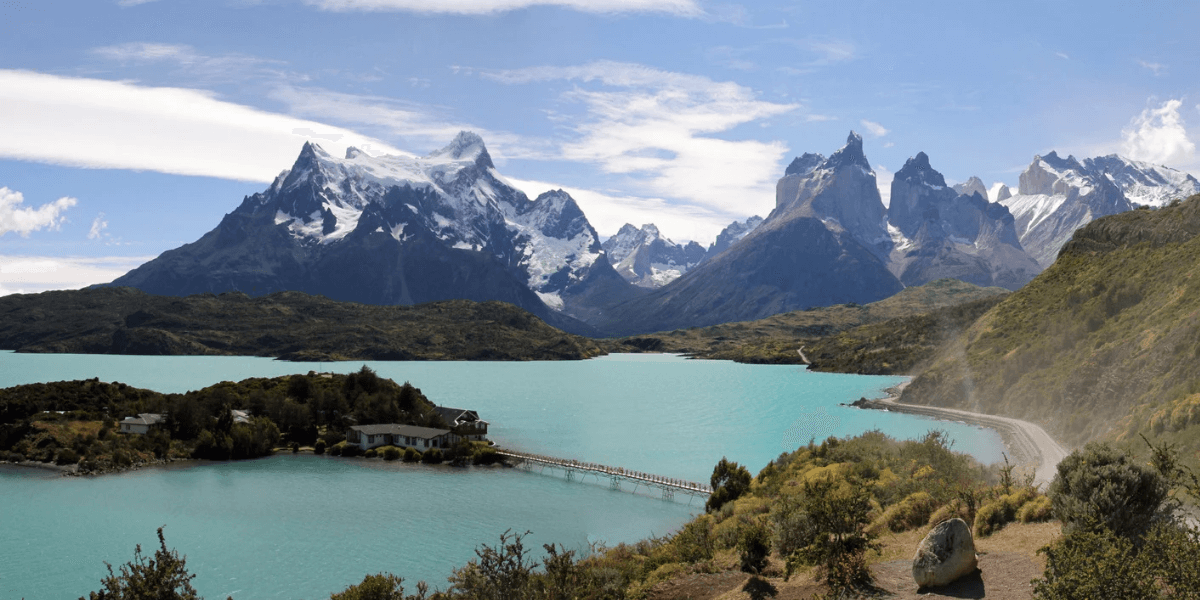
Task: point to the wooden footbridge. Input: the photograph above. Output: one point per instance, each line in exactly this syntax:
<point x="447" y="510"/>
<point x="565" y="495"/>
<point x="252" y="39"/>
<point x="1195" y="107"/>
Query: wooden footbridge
<point x="616" y="476"/>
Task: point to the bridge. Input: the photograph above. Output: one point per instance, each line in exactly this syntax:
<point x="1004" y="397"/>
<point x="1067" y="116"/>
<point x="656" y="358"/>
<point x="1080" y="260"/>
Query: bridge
<point x="616" y="476"/>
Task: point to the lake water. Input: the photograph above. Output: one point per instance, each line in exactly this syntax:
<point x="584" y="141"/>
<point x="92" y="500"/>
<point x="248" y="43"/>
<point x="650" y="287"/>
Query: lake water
<point x="305" y="526"/>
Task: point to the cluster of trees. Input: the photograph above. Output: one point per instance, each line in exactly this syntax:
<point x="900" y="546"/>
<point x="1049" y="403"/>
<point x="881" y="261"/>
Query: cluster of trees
<point x="76" y="421"/>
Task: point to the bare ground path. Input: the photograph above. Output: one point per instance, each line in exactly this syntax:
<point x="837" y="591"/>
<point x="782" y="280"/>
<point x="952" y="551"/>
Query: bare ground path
<point x="1027" y="443"/>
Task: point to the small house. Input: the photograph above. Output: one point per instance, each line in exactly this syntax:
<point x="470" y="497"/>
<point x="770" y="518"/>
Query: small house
<point x="465" y="424"/>
<point x="142" y="423"/>
<point x="401" y="436"/>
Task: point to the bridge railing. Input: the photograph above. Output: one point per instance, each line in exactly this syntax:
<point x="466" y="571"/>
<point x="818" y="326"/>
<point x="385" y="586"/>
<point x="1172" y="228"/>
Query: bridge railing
<point x="641" y="476"/>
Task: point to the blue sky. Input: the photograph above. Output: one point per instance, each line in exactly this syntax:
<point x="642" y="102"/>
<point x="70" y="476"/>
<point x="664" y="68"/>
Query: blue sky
<point x="129" y="127"/>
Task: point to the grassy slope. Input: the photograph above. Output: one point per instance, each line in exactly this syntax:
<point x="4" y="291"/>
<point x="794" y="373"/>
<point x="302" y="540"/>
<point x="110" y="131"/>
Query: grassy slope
<point x="1102" y="345"/>
<point x="776" y="339"/>
<point x="288" y="325"/>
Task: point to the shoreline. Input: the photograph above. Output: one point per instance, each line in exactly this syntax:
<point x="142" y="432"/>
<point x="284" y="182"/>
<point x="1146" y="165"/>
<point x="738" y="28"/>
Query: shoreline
<point x="1027" y="443"/>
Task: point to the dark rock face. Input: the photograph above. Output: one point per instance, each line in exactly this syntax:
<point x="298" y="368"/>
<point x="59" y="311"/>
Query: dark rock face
<point x="808" y="252"/>
<point x="943" y="233"/>
<point x="736" y="231"/>
<point x="394" y="230"/>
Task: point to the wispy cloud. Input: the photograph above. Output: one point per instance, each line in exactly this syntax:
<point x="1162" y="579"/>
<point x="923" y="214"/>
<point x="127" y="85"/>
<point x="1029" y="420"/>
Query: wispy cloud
<point x="656" y="127"/>
<point x="417" y="126"/>
<point x="24" y="220"/>
<point x="98" y="227"/>
<point x="128" y="3"/>
<point x="1156" y="68"/>
<point x="1158" y="135"/>
<point x="109" y="124"/>
<point x="1063" y="55"/>
<point x="682" y="8"/>
<point x="197" y="65"/>
<point x="874" y="128"/>
<point x="32" y="274"/>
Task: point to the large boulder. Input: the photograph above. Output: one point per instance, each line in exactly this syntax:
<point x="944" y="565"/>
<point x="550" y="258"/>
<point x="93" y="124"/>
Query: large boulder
<point x="946" y="554"/>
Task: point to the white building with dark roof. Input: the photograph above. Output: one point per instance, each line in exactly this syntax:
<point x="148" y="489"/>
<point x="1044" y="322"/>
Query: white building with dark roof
<point x="401" y="436"/>
<point x="142" y="423"/>
<point x="466" y="424"/>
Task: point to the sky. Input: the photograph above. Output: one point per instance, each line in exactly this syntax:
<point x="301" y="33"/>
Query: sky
<point x="130" y="127"/>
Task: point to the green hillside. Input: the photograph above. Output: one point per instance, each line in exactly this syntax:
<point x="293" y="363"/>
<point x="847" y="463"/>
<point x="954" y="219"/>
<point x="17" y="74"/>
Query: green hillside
<point x="1105" y="344"/>
<point x="286" y="325"/>
<point x="776" y="339"/>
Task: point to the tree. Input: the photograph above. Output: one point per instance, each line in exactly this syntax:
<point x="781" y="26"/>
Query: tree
<point x="501" y="573"/>
<point x="729" y="481"/>
<point x="163" y="577"/>
<point x="833" y="530"/>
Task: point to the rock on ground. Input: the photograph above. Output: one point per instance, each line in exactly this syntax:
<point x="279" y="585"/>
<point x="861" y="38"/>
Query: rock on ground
<point x="946" y="554"/>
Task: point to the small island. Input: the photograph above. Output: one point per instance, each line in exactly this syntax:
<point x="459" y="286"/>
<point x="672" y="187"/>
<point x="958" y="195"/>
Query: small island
<point x="92" y="427"/>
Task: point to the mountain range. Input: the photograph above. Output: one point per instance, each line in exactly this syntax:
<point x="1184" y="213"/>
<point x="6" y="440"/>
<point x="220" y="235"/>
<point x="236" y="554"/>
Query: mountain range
<point x="408" y="230"/>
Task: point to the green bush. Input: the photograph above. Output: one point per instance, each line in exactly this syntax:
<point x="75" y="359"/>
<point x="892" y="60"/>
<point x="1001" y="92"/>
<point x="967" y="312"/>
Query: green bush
<point x="1036" y="510"/>
<point x="391" y="453"/>
<point x="951" y="510"/>
<point x="487" y="456"/>
<point x="336" y="449"/>
<point x="319" y="447"/>
<point x="1086" y="564"/>
<point x="1102" y="487"/>
<point x="66" y="456"/>
<point x="432" y="456"/>
<point x="754" y="547"/>
<point x="411" y="455"/>
<point x="371" y="453"/>
<point x="911" y="512"/>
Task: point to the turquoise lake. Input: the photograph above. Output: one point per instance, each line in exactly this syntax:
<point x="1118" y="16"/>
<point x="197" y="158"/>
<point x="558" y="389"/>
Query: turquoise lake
<point x="306" y="526"/>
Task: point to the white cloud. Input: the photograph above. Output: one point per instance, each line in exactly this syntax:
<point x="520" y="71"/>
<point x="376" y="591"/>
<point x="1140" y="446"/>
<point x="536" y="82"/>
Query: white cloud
<point x="883" y="180"/>
<point x="98" y="227"/>
<point x="32" y="274"/>
<point x="26" y="220"/>
<point x="127" y="3"/>
<point x="107" y="124"/>
<point x="656" y="127"/>
<point x="1155" y="68"/>
<point x="1158" y="136"/>
<point x="683" y="8"/>
<point x="416" y="125"/>
<point x="607" y="212"/>
<point x="874" y="128"/>
<point x="1063" y="55"/>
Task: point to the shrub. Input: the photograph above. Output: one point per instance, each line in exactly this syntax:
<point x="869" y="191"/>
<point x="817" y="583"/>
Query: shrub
<point x="163" y="576"/>
<point x="487" y="456"/>
<point x="66" y="456"/>
<point x="1101" y="486"/>
<point x="371" y="453"/>
<point x="909" y="513"/>
<point x="391" y="453"/>
<point x="382" y="586"/>
<point x="953" y="509"/>
<point x="754" y="547"/>
<point x="1036" y="510"/>
<point x="411" y="455"/>
<point x="1086" y="564"/>
<point x="351" y="450"/>
<point x="336" y="449"/>
<point x="432" y="456"/>
<point x="319" y="447"/>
